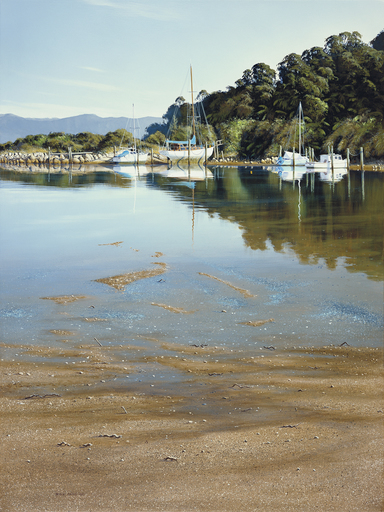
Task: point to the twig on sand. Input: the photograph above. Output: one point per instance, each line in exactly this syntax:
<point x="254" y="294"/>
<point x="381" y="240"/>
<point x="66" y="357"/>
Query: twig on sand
<point x="98" y="342"/>
<point x="41" y="396"/>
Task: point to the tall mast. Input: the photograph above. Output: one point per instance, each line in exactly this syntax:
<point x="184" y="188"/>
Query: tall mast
<point x="300" y="128"/>
<point x="134" y="127"/>
<point x="193" y="108"/>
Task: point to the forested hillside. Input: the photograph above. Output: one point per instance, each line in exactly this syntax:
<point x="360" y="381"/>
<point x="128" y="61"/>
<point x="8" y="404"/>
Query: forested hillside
<point x="341" y="87"/>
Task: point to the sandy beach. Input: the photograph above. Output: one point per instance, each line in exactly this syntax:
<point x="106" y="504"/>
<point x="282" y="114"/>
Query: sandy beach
<point x="296" y="430"/>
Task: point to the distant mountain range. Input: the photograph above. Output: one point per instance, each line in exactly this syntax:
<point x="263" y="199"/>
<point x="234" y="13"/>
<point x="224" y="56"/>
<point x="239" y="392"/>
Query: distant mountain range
<point x="12" y="127"/>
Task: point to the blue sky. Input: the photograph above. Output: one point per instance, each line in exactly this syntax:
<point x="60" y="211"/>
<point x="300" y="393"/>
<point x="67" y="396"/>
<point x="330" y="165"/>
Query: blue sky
<point x="71" y="57"/>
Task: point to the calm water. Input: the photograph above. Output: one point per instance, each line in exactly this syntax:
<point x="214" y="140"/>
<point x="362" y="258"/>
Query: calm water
<point x="309" y="249"/>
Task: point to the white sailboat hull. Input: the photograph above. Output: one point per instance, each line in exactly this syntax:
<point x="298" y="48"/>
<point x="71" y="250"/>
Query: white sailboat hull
<point x="326" y="163"/>
<point x="179" y="154"/>
<point x="130" y="157"/>
<point x="292" y="159"/>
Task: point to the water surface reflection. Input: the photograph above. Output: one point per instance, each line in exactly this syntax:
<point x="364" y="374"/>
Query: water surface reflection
<point x="307" y="251"/>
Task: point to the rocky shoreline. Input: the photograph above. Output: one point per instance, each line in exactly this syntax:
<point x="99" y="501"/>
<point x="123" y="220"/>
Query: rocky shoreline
<point x="55" y="159"/>
<point x="43" y="161"/>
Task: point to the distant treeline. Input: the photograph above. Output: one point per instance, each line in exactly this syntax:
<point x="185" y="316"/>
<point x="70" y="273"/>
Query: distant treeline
<point x="340" y="86"/>
<point x="60" y="142"/>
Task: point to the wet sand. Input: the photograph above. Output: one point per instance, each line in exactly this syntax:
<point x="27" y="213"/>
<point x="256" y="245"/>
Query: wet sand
<point x="296" y="430"/>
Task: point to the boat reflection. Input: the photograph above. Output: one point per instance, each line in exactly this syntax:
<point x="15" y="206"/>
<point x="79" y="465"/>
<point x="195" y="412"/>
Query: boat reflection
<point x="187" y="174"/>
<point x="291" y="173"/>
<point x="332" y="177"/>
<point x="132" y="172"/>
<point x="296" y="174"/>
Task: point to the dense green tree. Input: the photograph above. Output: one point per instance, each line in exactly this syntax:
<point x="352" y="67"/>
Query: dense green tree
<point x="356" y="90"/>
<point x="378" y="42"/>
<point x="88" y="141"/>
<point x="58" y="142"/>
<point x="263" y="90"/>
<point x="156" y="138"/>
<point x="233" y="132"/>
<point x="117" y="138"/>
<point x="299" y="82"/>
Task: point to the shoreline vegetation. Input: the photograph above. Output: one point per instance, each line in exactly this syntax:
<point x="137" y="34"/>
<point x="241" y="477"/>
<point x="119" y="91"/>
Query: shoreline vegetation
<point x="340" y="86"/>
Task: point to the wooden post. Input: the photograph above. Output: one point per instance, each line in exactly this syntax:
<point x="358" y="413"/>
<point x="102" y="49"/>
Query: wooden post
<point x="293" y="158"/>
<point x="206" y="153"/>
<point x="348" y="159"/>
<point x="349" y="184"/>
<point x="151" y="156"/>
<point x="114" y="150"/>
<point x="361" y="159"/>
<point x="189" y="152"/>
<point x="332" y="166"/>
<point x="49" y="157"/>
<point x="280" y="151"/>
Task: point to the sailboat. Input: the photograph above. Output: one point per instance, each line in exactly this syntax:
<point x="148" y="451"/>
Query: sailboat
<point x="177" y="149"/>
<point x="327" y="161"/>
<point x="292" y="158"/>
<point x="131" y="155"/>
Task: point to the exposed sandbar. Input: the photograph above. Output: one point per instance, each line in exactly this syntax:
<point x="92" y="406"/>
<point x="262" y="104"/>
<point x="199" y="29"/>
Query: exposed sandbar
<point x="120" y="281"/>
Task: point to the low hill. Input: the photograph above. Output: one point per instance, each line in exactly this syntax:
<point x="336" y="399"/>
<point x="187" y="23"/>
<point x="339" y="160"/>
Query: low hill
<point x="12" y="127"/>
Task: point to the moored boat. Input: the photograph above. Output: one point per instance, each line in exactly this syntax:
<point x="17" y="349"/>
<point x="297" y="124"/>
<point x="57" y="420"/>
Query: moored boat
<point x="325" y="162"/>
<point x="178" y="150"/>
<point x="130" y="155"/>
<point x="291" y="158"/>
